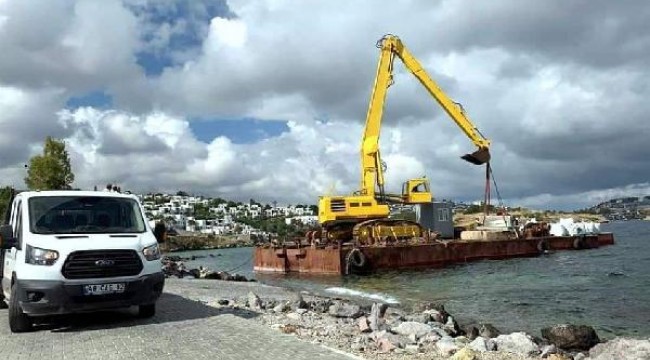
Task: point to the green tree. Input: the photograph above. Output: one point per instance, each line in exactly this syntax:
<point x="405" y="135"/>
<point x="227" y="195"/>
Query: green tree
<point x="51" y="170"/>
<point x="5" y="195"/>
<point x="202" y="212"/>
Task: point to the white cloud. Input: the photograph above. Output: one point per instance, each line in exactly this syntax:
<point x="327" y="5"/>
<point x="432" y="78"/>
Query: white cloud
<point x="582" y="199"/>
<point x="26" y="118"/>
<point x="296" y="166"/>
<point x="225" y="34"/>
<point x="79" y="46"/>
<point x="556" y="97"/>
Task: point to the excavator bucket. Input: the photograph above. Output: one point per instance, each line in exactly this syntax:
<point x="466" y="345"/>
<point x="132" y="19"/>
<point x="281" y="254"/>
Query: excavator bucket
<point x="478" y="157"/>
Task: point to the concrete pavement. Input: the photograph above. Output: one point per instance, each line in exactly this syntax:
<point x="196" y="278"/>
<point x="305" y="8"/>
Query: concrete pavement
<point x="182" y="329"/>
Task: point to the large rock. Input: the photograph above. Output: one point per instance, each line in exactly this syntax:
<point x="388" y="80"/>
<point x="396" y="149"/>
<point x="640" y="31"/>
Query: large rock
<point x="363" y="324"/>
<point x="491" y="344"/>
<point x="254" y="301"/>
<point x="429" y="338"/>
<point x="419" y="317"/>
<point x="447" y="346"/>
<point x="437" y="316"/>
<point x="558" y="357"/>
<point x="412" y="348"/>
<point x="294" y="316"/>
<point x="621" y="349"/>
<point x="345" y="310"/>
<point x="462" y="340"/>
<point x="386" y="345"/>
<point x="436" y="328"/>
<point x="412" y="328"/>
<point x="548" y="350"/>
<point x="451" y="326"/>
<point x="297" y="302"/>
<point x="387" y="341"/>
<point x="435" y="310"/>
<point x="361" y="344"/>
<point x="568" y="336"/>
<point x="488" y="331"/>
<point x="479" y="344"/>
<point x="471" y="331"/>
<point x="376" y="318"/>
<point x="320" y="306"/>
<point x="282" y="307"/>
<point x="518" y="342"/>
<point x="465" y="354"/>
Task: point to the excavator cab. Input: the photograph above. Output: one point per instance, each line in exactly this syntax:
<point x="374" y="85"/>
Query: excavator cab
<point x="478" y="157"/>
<point x="416" y="191"/>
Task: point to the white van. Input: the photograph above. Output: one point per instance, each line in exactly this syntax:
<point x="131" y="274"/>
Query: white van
<point x="77" y="251"/>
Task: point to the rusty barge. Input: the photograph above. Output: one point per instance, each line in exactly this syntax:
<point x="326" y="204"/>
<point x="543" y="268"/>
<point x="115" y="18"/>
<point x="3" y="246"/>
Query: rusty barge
<point x="346" y="259"/>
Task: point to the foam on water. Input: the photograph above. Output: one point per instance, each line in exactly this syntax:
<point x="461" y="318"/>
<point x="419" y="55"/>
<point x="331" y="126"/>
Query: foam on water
<point x="356" y="293"/>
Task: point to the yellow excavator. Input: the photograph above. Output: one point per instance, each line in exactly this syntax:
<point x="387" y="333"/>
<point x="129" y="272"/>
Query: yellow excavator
<point x="363" y="217"/>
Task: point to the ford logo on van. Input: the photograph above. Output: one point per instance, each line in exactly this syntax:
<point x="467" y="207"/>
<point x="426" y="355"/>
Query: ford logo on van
<point x="104" y="263"/>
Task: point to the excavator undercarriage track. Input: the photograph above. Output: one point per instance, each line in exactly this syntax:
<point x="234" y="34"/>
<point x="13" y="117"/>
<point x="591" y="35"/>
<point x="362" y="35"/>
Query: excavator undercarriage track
<point x="386" y="232"/>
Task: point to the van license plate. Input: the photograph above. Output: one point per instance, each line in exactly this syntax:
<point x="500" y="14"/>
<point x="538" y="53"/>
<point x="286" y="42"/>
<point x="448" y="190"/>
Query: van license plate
<point x="103" y="289"/>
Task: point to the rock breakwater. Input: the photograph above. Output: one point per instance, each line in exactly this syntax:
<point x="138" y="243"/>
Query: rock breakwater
<point x="175" y="266"/>
<point x="381" y="331"/>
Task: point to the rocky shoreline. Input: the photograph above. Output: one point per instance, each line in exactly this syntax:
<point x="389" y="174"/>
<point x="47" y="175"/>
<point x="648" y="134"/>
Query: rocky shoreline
<point x="425" y="331"/>
<point x="175" y="266"/>
<point x="201" y="242"/>
<point x="380" y="331"/>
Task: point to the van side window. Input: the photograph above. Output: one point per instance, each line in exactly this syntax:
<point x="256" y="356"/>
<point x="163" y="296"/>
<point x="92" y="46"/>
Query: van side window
<point x="18" y="233"/>
<point x="15" y="208"/>
<point x="12" y="216"/>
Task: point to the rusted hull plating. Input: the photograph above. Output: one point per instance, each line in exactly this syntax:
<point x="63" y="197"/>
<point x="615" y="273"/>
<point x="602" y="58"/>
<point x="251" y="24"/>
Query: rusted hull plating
<point x="336" y="261"/>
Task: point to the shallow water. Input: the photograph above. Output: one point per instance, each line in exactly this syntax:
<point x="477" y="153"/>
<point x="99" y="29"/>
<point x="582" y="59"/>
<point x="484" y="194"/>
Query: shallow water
<point x="608" y="288"/>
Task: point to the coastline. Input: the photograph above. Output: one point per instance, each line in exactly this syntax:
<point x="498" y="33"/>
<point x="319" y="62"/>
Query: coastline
<point x="204" y="242"/>
<point x="374" y="330"/>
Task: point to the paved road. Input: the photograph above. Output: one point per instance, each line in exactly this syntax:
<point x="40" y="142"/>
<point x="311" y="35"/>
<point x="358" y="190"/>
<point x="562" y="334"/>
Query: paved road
<point x="181" y="329"/>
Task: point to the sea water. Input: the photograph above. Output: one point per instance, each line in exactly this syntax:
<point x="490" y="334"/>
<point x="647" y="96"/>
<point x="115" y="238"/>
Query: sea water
<point x="607" y="288"/>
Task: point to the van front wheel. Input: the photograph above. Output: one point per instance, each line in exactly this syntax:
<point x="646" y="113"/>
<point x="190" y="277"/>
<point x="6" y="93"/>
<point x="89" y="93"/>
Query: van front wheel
<point x="18" y="320"/>
<point x="147" y="311"/>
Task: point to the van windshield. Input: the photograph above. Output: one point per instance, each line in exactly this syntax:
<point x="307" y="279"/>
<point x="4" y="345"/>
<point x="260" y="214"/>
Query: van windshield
<point x="84" y="214"/>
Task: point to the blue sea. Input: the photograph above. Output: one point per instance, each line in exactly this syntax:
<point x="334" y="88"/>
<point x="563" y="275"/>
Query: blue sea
<point x="607" y="288"/>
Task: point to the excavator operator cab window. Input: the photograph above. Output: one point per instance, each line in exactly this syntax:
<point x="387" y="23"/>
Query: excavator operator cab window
<point x="421" y="187"/>
<point x="415" y="187"/>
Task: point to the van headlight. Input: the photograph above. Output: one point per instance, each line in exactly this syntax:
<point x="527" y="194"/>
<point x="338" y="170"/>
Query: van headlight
<point x="38" y="256"/>
<point x="151" y="252"/>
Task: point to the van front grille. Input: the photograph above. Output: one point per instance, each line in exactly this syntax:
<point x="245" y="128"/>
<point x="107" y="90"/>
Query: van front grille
<point x="93" y="264"/>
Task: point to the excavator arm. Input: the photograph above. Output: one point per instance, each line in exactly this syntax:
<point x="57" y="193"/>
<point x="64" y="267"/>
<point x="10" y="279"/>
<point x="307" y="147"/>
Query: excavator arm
<point x="392" y="46"/>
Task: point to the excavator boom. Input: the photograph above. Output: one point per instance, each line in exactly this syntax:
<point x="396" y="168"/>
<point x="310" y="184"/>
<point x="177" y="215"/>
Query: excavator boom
<point x="453" y="109"/>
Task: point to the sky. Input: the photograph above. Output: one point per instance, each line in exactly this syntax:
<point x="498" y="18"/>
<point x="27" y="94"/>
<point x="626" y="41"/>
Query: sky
<point x="267" y="99"/>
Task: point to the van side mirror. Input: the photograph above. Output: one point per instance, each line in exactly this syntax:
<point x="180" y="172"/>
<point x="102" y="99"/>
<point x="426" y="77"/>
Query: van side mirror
<point x="7" y="239"/>
<point x="160" y="232"/>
